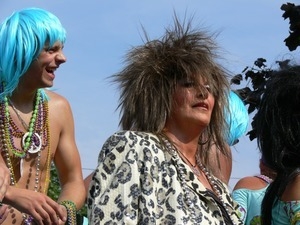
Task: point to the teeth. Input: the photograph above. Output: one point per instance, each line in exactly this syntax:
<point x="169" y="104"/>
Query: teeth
<point x="51" y="70"/>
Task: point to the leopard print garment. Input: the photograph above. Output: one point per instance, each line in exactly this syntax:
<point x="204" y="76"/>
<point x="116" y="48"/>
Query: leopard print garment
<point x="136" y="182"/>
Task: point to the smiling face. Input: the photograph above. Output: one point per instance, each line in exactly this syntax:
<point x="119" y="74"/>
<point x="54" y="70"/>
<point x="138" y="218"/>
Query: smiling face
<point x="193" y="104"/>
<point x="41" y="72"/>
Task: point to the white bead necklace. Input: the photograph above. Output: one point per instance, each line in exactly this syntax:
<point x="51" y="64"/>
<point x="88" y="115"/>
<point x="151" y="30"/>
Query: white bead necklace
<point x="172" y="150"/>
<point x="186" y="191"/>
<point x="264" y="178"/>
<point x="214" y="185"/>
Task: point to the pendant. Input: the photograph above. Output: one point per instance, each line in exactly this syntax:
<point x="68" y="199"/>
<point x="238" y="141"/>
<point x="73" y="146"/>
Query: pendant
<point x="36" y="142"/>
<point x="195" y="170"/>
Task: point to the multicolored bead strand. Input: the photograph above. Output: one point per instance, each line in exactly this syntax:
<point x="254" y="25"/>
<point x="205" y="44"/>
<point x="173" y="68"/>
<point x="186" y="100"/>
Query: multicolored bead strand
<point x="38" y="125"/>
<point x="71" y="211"/>
<point x="11" y="130"/>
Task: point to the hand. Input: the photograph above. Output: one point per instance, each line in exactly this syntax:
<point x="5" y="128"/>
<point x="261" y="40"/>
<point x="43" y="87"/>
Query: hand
<point x="4" y="180"/>
<point x="42" y="208"/>
<point x="61" y="222"/>
<point x="3" y="213"/>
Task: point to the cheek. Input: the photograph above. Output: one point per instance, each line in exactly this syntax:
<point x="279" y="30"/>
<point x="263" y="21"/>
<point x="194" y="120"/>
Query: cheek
<point x="211" y="100"/>
<point x="179" y="100"/>
<point x="34" y="67"/>
<point x="179" y="97"/>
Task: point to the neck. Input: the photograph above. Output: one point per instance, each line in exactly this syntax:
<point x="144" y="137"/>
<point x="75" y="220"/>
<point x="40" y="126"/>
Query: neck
<point x="23" y="102"/>
<point x="186" y="145"/>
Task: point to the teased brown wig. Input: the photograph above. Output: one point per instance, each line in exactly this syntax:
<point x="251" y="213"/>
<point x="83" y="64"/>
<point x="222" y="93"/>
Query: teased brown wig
<point x="153" y="70"/>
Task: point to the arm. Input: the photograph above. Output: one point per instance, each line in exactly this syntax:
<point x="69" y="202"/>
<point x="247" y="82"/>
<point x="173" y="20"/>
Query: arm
<point x="4" y="178"/>
<point x="4" y="184"/>
<point x="115" y="194"/>
<point x="220" y="164"/>
<point x="226" y="165"/>
<point x="67" y="158"/>
<point x="87" y="181"/>
<point x="240" y="197"/>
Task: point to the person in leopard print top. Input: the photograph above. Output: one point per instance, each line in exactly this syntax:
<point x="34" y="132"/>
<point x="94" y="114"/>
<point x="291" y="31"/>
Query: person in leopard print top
<point x="172" y="103"/>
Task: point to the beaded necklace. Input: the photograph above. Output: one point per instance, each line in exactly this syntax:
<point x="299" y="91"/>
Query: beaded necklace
<point x="18" y="115"/>
<point x="264" y="178"/>
<point x="223" y="207"/>
<point x="32" y="142"/>
<point x="215" y="188"/>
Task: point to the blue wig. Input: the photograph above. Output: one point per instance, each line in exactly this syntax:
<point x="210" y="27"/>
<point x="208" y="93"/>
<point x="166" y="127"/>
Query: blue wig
<point x="237" y="118"/>
<point x="23" y="36"/>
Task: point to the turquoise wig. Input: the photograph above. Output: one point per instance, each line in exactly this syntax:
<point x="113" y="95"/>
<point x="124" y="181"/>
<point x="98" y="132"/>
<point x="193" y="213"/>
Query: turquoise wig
<point x="23" y="36"/>
<point x="237" y="118"/>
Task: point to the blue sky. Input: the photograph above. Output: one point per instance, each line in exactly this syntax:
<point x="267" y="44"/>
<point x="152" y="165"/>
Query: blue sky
<point x="100" y="32"/>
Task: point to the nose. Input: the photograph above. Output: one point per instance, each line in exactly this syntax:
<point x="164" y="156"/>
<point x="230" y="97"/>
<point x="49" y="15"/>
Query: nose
<point x="61" y="57"/>
<point x="202" y="92"/>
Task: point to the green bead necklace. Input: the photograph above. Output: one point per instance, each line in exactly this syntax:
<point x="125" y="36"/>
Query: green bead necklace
<point x="27" y="139"/>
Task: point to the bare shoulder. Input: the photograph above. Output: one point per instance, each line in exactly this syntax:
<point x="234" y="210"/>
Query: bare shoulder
<point x="57" y="100"/>
<point x="251" y="182"/>
<point x="291" y="192"/>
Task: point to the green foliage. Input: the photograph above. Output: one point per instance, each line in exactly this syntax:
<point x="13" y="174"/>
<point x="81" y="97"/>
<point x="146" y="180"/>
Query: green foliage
<point x="54" y="186"/>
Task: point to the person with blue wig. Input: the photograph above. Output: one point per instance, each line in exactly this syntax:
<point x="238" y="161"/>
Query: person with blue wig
<point x="237" y="119"/>
<point x="36" y="124"/>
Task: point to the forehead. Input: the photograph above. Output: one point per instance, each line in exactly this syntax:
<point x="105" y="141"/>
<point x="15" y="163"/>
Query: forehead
<point x="57" y="44"/>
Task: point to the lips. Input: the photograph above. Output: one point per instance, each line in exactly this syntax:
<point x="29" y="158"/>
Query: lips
<point x="201" y="105"/>
<point x="51" y="70"/>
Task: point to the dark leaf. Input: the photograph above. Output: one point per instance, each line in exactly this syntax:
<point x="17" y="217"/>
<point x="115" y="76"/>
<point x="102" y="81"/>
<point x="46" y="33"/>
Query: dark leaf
<point x="252" y="135"/>
<point x="260" y="62"/>
<point x="251" y="108"/>
<point x="293" y="40"/>
<point x="243" y="93"/>
<point x="237" y="79"/>
<point x="249" y="74"/>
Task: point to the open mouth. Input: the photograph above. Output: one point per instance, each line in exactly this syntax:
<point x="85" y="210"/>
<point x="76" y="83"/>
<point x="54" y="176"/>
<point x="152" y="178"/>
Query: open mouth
<point x="51" y="70"/>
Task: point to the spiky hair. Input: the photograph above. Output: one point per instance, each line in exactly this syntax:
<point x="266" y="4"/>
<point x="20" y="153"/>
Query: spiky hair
<point x="152" y="70"/>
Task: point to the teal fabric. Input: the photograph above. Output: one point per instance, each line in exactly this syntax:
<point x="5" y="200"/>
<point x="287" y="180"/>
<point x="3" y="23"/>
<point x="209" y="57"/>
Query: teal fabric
<point x="85" y="221"/>
<point x="284" y="213"/>
<point x="250" y="204"/>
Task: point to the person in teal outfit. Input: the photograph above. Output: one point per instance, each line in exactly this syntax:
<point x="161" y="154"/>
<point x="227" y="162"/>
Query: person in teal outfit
<point x="250" y="191"/>
<point x="277" y="124"/>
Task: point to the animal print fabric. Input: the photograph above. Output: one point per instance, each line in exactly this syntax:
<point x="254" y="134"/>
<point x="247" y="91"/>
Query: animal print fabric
<point x="137" y="182"/>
